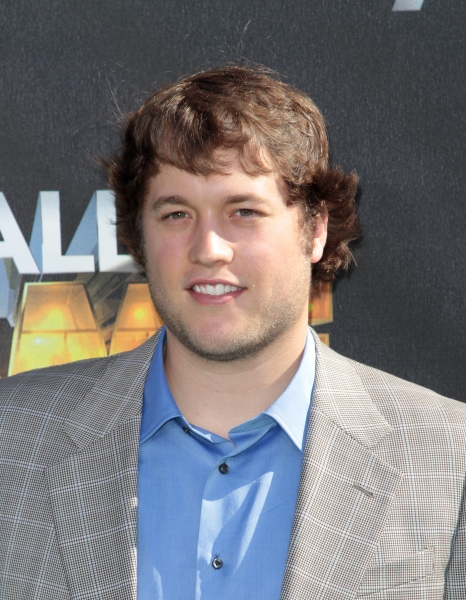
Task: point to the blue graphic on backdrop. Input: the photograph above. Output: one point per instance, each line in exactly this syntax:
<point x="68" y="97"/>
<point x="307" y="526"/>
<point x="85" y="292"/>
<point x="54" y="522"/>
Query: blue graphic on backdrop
<point x="92" y="249"/>
<point x="408" y="5"/>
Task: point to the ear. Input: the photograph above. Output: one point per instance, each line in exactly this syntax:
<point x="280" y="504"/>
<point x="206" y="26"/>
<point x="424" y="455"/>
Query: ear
<point x="320" y="237"/>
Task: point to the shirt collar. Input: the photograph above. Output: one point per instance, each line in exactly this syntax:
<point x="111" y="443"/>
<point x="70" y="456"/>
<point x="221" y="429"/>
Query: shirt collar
<point x="290" y="410"/>
<point x="158" y="404"/>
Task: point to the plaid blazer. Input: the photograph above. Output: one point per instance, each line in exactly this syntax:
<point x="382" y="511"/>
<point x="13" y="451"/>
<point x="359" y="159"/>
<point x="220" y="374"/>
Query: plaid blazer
<point x="379" y="512"/>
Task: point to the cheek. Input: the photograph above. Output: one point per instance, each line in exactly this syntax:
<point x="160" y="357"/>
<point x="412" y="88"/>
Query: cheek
<point x="168" y="258"/>
<point x="283" y="244"/>
<point x="255" y="253"/>
<point x="161" y="255"/>
<point x="272" y="259"/>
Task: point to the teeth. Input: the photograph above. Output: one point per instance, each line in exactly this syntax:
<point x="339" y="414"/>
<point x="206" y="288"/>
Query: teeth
<point x="215" y="290"/>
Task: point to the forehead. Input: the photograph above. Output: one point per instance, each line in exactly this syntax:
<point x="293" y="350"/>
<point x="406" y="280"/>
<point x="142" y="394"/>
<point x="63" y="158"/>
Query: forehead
<point x="230" y="179"/>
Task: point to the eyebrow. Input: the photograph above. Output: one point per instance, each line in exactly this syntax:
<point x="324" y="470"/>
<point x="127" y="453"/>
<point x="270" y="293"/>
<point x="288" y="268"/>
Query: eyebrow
<point x="180" y="201"/>
<point x="239" y="198"/>
<point x="169" y="200"/>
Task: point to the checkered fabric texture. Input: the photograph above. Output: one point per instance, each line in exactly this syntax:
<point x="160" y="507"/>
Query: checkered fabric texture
<point x="379" y="512"/>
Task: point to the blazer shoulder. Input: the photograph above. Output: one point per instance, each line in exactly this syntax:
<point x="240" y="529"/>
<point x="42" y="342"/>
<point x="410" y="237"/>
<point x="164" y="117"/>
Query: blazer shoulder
<point x="54" y="389"/>
<point x="92" y="392"/>
<point x="411" y="401"/>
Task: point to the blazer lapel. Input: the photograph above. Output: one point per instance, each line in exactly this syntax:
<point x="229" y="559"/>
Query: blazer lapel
<point x="94" y="492"/>
<point x="345" y="490"/>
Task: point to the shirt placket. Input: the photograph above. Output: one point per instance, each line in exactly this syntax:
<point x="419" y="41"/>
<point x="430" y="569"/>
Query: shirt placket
<point x="220" y="502"/>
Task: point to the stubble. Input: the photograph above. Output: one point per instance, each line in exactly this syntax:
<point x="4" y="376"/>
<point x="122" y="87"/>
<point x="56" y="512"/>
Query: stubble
<point x="271" y="318"/>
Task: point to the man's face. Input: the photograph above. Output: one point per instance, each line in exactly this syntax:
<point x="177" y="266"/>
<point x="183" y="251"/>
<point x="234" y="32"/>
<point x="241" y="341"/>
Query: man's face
<point x="226" y="259"/>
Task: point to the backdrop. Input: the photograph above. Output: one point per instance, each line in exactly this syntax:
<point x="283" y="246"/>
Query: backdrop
<point x="389" y="79"/>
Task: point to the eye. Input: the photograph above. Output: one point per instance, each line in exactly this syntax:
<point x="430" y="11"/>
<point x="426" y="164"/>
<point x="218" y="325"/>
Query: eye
<point x="177" y="215"/>
<point x="245" y="212"/>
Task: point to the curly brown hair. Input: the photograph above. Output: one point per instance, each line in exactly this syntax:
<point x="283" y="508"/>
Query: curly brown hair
<point x="266" y="121"/>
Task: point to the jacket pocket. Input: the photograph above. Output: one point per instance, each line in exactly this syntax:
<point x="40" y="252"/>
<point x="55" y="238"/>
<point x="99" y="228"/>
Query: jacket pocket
<point x="403" y="570"/>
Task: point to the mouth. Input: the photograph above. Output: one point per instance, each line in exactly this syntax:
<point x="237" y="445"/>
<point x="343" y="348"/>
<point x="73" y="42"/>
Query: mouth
<point x="218" y="289"/>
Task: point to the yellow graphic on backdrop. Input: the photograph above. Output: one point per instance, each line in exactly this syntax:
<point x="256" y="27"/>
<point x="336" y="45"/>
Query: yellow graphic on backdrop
<point x="321" y="310"/>
<point x="137" y="319"/>
<point x="57" y="324"/>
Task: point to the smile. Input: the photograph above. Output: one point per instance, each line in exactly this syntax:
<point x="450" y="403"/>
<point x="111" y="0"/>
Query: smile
<point x="215" y="290"/>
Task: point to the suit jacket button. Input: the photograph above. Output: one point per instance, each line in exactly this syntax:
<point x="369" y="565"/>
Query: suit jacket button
<point x="223" y="468"/>
<point x="217" y="563"/>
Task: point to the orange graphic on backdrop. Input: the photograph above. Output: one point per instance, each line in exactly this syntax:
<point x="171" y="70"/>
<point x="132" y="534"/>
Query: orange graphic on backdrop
<point x="321" y="310"/>
<point x="57" y="324"/>
<point x="137" y="319"/>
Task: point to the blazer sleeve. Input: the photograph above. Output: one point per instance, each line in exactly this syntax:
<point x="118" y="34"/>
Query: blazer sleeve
<point x="455" y="579"/>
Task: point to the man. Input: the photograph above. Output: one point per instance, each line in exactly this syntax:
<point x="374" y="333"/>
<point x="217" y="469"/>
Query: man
<point x="264" y="465"/>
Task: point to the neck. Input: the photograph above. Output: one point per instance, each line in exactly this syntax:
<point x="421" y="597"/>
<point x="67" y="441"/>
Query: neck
<point x="218" y="396"/>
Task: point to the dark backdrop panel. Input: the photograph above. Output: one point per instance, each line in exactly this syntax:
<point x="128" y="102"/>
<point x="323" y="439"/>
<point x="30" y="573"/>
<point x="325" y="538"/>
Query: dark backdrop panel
<point x="390" y="84"/>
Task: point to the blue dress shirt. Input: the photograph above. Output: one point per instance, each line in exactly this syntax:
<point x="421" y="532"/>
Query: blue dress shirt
<point x="215" y="515"/>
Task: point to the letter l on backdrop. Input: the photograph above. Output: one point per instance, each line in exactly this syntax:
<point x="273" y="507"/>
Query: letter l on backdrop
<point x="404" y="5"/>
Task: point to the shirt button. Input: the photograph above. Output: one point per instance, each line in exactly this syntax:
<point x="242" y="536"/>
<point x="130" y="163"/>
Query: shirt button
<point x="186" y="430"/>
<point x="223" y="468"/>
<point x="217" y="563"/>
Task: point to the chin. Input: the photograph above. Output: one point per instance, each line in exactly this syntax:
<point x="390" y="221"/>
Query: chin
<point x="226" y="346"/>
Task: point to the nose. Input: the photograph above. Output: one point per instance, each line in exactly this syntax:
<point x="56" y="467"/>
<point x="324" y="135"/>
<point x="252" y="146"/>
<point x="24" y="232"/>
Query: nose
<point x="209" y="246"/>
